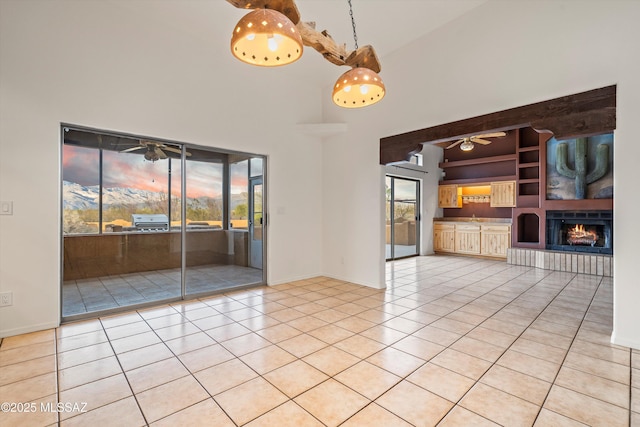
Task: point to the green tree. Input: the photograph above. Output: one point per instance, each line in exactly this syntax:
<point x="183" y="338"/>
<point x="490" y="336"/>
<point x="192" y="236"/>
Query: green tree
<point x="241" y="211"/>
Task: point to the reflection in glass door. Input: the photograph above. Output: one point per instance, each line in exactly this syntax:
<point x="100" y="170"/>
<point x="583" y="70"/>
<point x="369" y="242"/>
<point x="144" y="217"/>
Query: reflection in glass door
<point x="402" y="217"/>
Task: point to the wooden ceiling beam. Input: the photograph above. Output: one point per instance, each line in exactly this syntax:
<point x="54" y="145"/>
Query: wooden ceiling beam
<point x="587" y="113"/>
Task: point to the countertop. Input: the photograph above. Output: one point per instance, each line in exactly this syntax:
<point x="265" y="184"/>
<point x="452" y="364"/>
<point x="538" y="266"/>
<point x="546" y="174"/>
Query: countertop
<point x="475" y="220"/>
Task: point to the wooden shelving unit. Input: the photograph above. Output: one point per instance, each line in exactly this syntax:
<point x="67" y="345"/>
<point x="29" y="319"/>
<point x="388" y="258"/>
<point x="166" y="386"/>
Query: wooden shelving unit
<point x="480" y="180"/>
<point x="480" y="161"/>
<point x="529" y="217"/>
<point x="528" y="168"/>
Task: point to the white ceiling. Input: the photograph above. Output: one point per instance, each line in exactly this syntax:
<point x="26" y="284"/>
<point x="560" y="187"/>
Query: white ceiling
<point x="387" y="25"/>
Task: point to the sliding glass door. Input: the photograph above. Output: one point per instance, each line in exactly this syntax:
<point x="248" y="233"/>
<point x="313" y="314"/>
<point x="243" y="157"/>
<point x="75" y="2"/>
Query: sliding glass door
<point x="146" y="221"/>
<point x="402" y="217"/>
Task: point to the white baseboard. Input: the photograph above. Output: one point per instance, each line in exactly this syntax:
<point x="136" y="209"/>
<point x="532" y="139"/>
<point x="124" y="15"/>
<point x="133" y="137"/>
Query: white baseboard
<point x="625" y="341"/>
<point x="27" y="329"/>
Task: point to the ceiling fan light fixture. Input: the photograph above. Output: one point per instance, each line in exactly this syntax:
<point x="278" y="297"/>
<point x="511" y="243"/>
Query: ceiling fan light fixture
<point x="267" y="38"/>
<point x="467" y="145"/>
<point x="358" y="87"/>
<point x="151" y="155"/>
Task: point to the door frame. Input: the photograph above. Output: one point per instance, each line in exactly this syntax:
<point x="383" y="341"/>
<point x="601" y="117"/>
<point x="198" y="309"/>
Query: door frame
<point x="417" y="216"/>
<point x="184" y="295"/>
<point x="253" y="182"/>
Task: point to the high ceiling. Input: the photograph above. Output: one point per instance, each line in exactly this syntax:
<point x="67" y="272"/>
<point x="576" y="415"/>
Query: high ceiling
<point x="387" y="25"/>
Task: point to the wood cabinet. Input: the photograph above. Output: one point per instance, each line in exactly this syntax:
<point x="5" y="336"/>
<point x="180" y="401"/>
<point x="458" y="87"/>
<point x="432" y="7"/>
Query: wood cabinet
<point x="449" y="196"/>
<point x="443" y="237"/>
<point x="480" y="239"/>
<point x="495" y="240"/>
<point x="467" y="237"/>
<point x="503" y="194"/>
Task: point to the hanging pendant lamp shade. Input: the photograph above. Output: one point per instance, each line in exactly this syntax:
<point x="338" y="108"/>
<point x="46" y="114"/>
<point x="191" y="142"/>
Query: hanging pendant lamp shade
<point x="267" y="38"/>
<point x="358" y="87"/>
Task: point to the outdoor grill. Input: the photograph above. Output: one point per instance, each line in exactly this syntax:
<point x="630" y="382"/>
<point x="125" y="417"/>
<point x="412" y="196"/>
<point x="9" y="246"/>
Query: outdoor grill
<point x="150" y="222"/>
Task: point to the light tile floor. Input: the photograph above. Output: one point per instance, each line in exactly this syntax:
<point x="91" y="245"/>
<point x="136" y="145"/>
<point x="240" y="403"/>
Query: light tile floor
<point x="108" y="292"/>
<point x="452" y="341"/>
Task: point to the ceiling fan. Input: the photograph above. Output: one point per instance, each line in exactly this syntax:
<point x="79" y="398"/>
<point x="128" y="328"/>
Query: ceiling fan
<point x="467" y="144"/>
<point x="155" y="150"/>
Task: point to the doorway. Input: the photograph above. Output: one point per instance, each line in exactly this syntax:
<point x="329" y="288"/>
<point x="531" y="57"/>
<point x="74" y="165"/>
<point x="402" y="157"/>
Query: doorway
<point x="402" y="217"/>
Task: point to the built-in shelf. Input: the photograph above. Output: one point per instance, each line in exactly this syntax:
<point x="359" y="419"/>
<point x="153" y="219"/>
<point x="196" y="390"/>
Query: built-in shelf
<point x="529" y="165"/>
<point x="528" y="197"/>
<point x="536" y="148"/>
<point x="529" y="181"/>
<point x="479" y="161"/>
<point x="479" y="180"/>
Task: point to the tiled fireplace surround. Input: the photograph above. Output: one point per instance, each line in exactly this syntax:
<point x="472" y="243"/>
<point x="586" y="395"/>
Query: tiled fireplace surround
<point x="595" y="264"/>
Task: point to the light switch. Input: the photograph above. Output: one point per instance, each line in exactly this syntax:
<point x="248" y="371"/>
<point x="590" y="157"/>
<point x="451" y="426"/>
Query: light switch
<point x="6" y="208"/>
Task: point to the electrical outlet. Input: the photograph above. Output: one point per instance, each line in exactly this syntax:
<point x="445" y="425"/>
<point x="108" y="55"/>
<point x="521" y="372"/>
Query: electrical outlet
<point x="6" y="298"/>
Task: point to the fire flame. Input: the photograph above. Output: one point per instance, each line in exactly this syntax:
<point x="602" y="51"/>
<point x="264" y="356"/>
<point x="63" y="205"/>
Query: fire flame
<point x="578" y="235"/>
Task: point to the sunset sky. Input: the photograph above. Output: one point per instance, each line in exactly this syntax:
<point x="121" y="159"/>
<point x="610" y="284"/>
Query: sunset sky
<point x="130" y="170"/>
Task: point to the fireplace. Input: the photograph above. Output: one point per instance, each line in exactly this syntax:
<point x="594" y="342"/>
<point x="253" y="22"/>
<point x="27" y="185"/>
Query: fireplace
<point x="580" y="231"/>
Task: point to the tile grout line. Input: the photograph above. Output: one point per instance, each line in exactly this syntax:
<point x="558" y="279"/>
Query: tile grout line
<point x="183" y="365"/>
<point x="405" y="378"/>
<point x="553" y="383"/>
<point x="595" y="297"/>
<point x="57" y="371"/>
<point x="456" y="404"/>
<point x="144" y="417"/>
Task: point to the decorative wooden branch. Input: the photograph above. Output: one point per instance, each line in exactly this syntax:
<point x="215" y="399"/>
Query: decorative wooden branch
<point x="287" y="7"/>
<point x="321" y="41"/>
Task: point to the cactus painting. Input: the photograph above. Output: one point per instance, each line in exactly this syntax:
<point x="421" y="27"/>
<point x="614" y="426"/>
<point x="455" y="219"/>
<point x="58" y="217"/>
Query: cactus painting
<point x="575" y="164"/>
<point x="579" y="172"/>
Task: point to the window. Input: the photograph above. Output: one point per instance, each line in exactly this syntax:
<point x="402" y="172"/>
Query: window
<point x="117" y="184"/>
<point x="204" y="192"/>
<point x="81" y="190"/>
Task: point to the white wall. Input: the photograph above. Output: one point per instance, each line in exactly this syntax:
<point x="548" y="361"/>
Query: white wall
<point x="108" y="66"/>
<point x="501" y="55"/>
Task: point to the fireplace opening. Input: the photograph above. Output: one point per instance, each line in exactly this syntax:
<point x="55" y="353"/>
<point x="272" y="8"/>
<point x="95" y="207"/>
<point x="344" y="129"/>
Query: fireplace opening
<point x="589" y="231"/>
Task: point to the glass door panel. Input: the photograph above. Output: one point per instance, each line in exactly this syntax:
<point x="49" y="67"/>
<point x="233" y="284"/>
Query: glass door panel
<point x="403" y="226"/>
<point x="119" y="247"/>
<point x="255" y="224"/>
<point x="207" y="246"/>
<point x="388" y="216"/>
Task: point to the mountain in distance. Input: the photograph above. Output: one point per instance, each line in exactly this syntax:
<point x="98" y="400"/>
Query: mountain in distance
<point x="79" y="197"/>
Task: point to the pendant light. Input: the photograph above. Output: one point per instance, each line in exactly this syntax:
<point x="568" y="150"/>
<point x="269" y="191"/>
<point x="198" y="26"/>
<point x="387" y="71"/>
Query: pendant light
<point x="360" y="86"/>
<point x="267" y="38"/>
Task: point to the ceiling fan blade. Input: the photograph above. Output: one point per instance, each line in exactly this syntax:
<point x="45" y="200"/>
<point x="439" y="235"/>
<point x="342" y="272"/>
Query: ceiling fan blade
<point x="128" y="150"/>
<point x="454" y="144"/>
<point x="481" y="141"/>
<point x="160" y="153"/>
<point x="491" y="135"/>
<point x="173" y="150"/>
